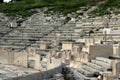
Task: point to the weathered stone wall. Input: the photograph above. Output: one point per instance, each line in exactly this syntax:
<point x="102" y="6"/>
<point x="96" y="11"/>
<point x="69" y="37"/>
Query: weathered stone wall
<point x="67" y="45"/>
<point x="100" y="51"/>
<point x="6" y="57"/>
<point x="39" y="75"/>
<point x="16" y="58"/>
<point x="21" y="59"/>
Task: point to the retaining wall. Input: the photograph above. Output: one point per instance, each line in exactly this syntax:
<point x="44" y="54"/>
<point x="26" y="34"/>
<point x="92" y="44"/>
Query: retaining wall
<point x="39" y="75"/>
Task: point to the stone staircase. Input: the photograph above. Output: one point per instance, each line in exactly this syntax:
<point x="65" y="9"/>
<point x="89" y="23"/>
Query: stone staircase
<point x="34" y="29"/>
<point x="97" y="25"/>
<point x="99" y="64"/>
<point x="66" y="32"/>
<point x="42" y="26"/>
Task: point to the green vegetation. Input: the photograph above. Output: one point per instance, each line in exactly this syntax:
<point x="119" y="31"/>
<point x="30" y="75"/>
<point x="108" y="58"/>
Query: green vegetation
<point x="107" y="7"/>
<point x="22" y="7"/>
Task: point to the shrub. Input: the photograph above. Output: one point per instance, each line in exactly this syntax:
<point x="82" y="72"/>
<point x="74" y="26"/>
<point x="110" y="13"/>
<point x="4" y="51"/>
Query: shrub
<point x="22" y="7"/>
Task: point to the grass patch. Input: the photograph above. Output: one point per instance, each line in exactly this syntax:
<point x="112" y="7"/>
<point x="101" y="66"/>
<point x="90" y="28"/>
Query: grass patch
<point x="22" y="7"/>
<point x="107" y="7"/>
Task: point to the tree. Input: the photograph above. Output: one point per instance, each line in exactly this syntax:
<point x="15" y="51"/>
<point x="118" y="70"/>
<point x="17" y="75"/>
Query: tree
<point x="15" y="0"/>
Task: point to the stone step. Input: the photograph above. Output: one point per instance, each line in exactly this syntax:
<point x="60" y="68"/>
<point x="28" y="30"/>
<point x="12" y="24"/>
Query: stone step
<point x="35" y="31"/>
<point x="13" y="35"/>
<point x="85" y="72"/>
<point x="20" y="38"/>
<point x="94" y="66"/>
<point x="10" y="46"/>
<point x="4" y="30"/>
<point x="104" y="59"/>
<point x="15" y="44"/>
<point x="90" y="69"/>
<point x="100" y="63"/>
<point x="18" y="41"/>
<point x="39" y="24"/>
<point x="63" y="32"/>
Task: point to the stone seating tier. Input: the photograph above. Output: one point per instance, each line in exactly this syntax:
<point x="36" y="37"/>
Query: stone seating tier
<point x="18" y="41"/>
<point x="12" y="46"/>
<point x="104" y="60"/>
<point x="103" y="64"/>
<point x="99" y="64"/>
<point x="95" y="66"/>
<point x="85" y="72"/>
<point x="90" y="69"/>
